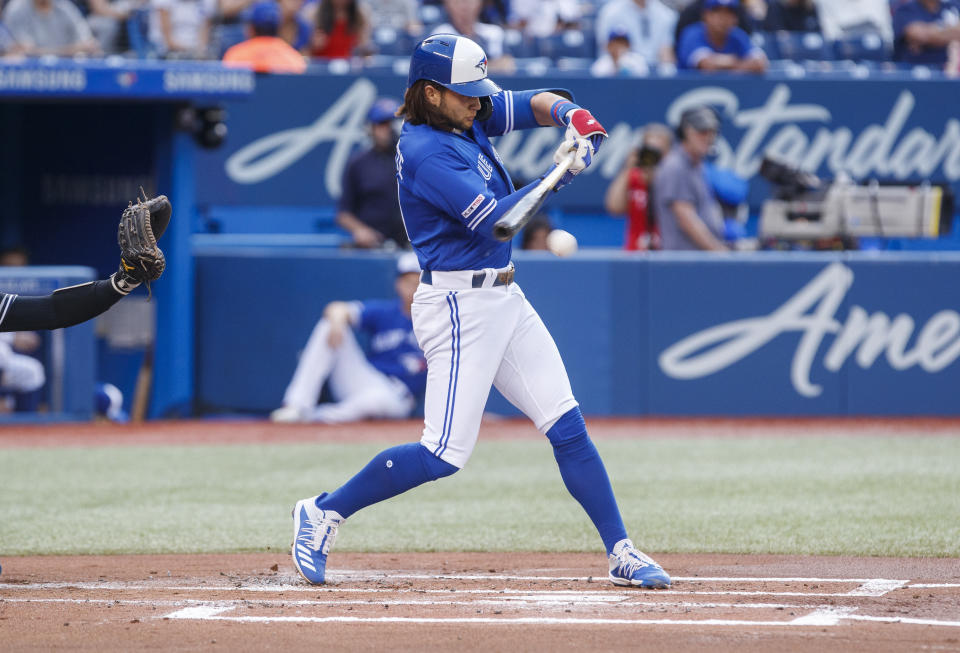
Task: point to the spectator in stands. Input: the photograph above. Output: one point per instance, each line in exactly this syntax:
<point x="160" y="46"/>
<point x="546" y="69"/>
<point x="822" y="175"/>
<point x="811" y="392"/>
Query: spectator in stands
<point x="384" y="383"/>
<point x="264" y="51"/>
<point x="791" y="16"/>
<point x="399" y="15"/>
<point x="294" y="27"/>
<point x="49" y="27"/>
<point x="619" y="59"/>
<point x="107" y="20"/>
<point x="228" y="24"/>
<point x="369" y="208"/>
<point x="924" y="29"/>
<point x="543" y="18"/>
<point x="342" y="30"/>
<point x="693" y="13"/>
<point x="649" y="24"/>
<point x="716" y="43"/>
<point x="8" y="44"/>
<point x="465" y="20"/>
<point x="630" y="193"/>
<point x="180" y="29"/>
<point x="688" y="215"/>
<point x="854" y="18"/>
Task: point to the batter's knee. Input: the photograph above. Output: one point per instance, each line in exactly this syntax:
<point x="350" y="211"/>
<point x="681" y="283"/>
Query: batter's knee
<point x="569" y="427"/>
<point x="434" y="466"/>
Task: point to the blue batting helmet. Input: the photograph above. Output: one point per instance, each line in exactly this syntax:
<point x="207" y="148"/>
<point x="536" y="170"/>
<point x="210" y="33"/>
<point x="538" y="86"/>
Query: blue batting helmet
<point x="454" y="62"/>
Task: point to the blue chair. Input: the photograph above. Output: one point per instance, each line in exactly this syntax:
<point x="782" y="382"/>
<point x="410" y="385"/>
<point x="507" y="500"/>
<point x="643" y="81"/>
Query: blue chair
<point x="767" y="42"/>
<point x="801" y="46"/>
<point x="863" y="47"/>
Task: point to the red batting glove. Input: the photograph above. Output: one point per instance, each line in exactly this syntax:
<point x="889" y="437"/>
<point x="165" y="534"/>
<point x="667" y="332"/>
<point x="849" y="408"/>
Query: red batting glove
<point x="582" y="124"/>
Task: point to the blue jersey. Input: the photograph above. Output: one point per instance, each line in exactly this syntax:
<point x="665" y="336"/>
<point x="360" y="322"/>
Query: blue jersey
<point x="450" y="184"/>
<point x="393" y="348"/>
<point x="946" y="15"/>
<point x="694" y="45"/>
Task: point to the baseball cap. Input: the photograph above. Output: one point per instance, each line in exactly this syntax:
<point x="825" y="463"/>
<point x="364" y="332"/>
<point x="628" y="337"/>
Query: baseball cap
<point x="716" y="4"/>
<point x="265" y="14"/>
<point x="408" y="263"/>
<point x="701" y="118"/>
<point x="618" y="33"/>
<point x="383" y="110"/>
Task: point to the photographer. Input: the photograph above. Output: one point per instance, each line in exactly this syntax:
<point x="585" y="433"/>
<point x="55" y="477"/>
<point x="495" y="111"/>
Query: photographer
<point x="630" y="192"/>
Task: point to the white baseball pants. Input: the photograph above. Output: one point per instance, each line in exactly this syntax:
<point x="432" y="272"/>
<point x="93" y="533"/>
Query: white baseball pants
<point x="474" y="338"/>
<point x="361" y="391"/>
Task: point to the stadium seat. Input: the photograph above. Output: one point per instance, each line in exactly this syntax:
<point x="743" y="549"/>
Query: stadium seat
<point x="390" y="42"/>
<point x="863" y="47"/>
<point x="518" y="45"/>
<point x="767" y="42"/>
<point x="137" y="33"/>
<point x="801" y="46"/>
<point x="569" y="43"/>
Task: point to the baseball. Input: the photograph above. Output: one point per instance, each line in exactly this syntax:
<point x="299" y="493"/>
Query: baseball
<point x="561" y="243"/>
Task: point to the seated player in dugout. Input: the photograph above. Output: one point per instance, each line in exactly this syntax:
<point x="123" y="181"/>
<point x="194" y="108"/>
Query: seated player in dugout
<point x="473" y="322"/>
<point x="384" y="383"/>
<point x="368" y="208"/>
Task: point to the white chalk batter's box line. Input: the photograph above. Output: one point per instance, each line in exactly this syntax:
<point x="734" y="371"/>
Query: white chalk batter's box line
<point x="865" y="587"/>
<point x="821" y="615"/>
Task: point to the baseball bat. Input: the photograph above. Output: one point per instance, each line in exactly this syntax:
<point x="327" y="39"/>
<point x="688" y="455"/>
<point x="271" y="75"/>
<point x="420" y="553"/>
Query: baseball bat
<point x="141" y="392"/>
<point x="507" y="227"/>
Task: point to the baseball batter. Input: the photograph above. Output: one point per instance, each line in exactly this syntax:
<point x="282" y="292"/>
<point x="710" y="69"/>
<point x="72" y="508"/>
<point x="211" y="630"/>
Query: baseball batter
<point x="472" y="321"/>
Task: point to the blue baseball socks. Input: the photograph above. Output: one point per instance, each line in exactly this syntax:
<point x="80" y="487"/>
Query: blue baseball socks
<point x="391" y="472"/>
<point x="585" y="476"/>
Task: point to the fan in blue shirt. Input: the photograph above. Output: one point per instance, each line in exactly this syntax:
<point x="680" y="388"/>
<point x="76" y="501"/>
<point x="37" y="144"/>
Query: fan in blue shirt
<point x="716" y="43"/>
<point x="922" y="30"/>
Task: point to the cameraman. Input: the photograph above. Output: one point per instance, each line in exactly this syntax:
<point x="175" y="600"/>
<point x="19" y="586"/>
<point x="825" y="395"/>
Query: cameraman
<point x="630" y="192"/>
<point x="688" y="213"/>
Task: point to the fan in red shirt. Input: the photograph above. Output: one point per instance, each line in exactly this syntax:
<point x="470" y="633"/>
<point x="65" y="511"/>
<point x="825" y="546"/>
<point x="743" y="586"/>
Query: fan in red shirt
<point x="342" y="30"/>
<point x="629" y="192"/>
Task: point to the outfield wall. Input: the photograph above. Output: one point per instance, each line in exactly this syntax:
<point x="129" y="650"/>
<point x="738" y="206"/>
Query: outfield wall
<point x="668" y="334"/>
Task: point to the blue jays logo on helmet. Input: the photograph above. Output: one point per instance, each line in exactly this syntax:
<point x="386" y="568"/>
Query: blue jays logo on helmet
<point x="454" y="62"/>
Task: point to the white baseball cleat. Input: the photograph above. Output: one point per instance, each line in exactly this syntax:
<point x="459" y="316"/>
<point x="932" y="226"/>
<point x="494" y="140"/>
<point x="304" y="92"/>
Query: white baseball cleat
<point x="314" y="531"/>
<point x="630" y="566"/>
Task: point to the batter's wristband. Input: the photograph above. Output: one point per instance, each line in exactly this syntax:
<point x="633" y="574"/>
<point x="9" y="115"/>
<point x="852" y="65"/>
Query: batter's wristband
<point x="560" y="109"/>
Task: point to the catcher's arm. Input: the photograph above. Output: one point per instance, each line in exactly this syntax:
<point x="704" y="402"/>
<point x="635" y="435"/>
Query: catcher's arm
<point x="75" y="304"/>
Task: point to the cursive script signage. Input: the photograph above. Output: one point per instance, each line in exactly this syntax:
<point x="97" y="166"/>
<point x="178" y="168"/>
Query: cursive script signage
<point x="298" y="130"/>
<point x="861" y="336"/>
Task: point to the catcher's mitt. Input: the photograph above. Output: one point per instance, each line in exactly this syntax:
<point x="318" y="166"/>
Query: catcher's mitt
<point x="140" y="226"/>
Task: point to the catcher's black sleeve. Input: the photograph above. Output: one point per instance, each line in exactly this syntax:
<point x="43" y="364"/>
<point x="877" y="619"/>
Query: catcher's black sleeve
<point x="62" y="308"/>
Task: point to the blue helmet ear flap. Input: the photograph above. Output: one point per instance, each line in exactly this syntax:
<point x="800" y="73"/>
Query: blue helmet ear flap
<point x="486" y="108"/>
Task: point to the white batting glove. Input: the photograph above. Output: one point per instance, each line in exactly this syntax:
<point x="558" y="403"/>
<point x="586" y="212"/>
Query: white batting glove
<point x="582" y="158"/>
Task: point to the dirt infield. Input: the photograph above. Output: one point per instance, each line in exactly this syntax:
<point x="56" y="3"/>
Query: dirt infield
<point x="460" y="601"/>
<point x="489" y="602"/>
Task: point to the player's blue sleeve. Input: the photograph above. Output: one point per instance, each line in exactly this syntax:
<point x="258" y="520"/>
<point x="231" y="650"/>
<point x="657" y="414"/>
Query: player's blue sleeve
<point x="512" y="110"/>
<point x="903" y="16"/>
<point x="370" y="314"/>
<point x="448" y="183"/>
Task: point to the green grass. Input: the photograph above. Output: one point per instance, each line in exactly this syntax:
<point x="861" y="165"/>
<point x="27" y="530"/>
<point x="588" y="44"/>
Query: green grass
<point x="856" y="496"/>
